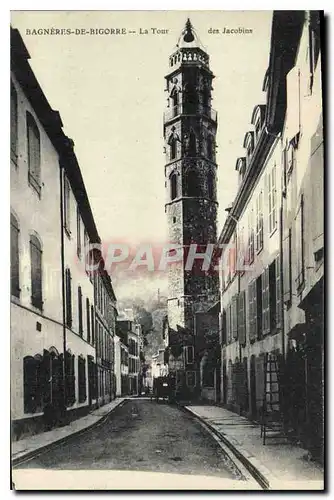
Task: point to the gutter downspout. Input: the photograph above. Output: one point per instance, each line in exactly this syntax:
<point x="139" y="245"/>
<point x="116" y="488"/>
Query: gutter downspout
<point x="63" y="279"/>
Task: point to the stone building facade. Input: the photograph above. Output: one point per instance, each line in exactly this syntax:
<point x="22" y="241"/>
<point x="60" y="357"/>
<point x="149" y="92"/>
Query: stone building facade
<point x="272" y="265"/>
<point x="190" y="126"/>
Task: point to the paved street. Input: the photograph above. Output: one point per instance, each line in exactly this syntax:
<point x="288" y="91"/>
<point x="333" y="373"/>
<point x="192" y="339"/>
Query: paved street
<point x="143" y="436"/>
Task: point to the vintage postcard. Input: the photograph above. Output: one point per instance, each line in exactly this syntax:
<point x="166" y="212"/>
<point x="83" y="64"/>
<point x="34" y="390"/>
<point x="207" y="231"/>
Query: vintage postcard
<point x="167" y="250"/>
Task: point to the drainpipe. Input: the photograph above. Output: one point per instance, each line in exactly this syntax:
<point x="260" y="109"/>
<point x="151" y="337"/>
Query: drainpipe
<point x="61" y="177"/>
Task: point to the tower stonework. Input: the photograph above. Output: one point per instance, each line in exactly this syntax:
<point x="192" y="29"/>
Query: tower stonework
<point x="190" y="126"/>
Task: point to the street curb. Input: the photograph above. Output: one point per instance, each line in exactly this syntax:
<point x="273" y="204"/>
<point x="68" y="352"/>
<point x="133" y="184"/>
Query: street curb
<point x="254" y="467"/>
<point x="31" y="454"/>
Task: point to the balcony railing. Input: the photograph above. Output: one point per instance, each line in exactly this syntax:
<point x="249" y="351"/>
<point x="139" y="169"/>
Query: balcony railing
<point x="190" y="109"/>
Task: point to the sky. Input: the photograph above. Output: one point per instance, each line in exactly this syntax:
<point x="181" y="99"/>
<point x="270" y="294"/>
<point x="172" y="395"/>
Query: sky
<point x="109" y="90"/>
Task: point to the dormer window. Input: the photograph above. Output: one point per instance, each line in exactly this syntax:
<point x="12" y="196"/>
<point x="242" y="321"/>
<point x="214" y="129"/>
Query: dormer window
<point x="249" y="145"/>
<point x="258" y="120"/>
<point x="241" y="168"/>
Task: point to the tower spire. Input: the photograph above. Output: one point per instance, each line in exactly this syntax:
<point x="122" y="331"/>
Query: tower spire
<point x="188" y="32"/>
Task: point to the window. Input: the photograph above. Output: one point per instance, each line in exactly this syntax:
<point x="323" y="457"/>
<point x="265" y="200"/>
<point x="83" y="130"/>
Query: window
<point x="88" y="319"/>
<point x="259" y="222"/>
<point x="258" y="307"/>
<point x="36" y="272"/>
<point x="314" y="43"/>
<point x="82" y="379"/>
<point x="241" y="318"/>
<point x="80" y="310"/>
<point x="272" y="200"/>
<point x="235" y="317"/>
<point x="32" y="384"/>
<point x="257" y="128"/>
<point x="14" y="257"/>
<point x="70" y="378"/>
<point x="34" y="153"/>
<point x="299" y="228"/>
<point x="290" y="161"/>
<point x="193" y="184"/>
<point x="229" y="324"/>
<point x="265" y="301"/>
<point x="250" y="238"/>
<point x="192" y="148"/>
<point x="223" y="328"/>
<point x="173" y="186"/>
<point x="287" y="269"/>
<point x="189" y="354"/>
<point x="174" y="97"/>
<point x="78" y="233"/>
<point x="191" y="379"/>
<point x="252" y="312"/>
<point x="13" y="123"/>
<point x="211" y="186"/>
<point x="92" y="317"/>
<point x="67" y="206"/>
<point x="278" y="301"/>
<point x="209" y="144"/>
<point x="68" y="296"/>
<point x="173" y="149"/>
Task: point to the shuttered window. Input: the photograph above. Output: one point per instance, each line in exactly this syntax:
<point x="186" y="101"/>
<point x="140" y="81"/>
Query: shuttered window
<point x="287" y="292"/>
<point x="250" y="238"/>
<point x="68" y="295"/>
<point x="34" y="153"/>
<point x="265" y="302"/>
<point x="82" y="379"/>
<point x="228" y="323"/>
<point x="259" y="222"/>
<point x="14" y="257"/>
<point x="70" y="378"/>
<point x="235" y="317"/>
<point x="80" y="311"/>
<point x="278" y="293"/>
<point x="13" y="123"/>
<point x="67" y="205"/>
<point x="92" y="317"/>
<point x="252" y="314"/>
<point x="79" y="249"/>
<point x="36" y="272"/>
<point x="241" y="318"/>
<point x="272" y="199"/>
<point x="88" y="320"/>
<point x="299" y="245"/>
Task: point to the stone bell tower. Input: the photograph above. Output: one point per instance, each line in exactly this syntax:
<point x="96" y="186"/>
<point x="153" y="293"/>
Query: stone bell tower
<point x="190" y="125"/>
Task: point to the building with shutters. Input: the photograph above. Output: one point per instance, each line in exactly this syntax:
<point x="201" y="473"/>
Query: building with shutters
<point x="53" y="355"/>
<point x="303" y="239"/>
<point x="272" y="263"/>
<point x="121" y="367"/>
<point x="105" y="326"/>
<point x="130" y="334"/>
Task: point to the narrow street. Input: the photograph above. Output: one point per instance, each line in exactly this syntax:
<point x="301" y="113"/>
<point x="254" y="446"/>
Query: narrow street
<point x="146" y="436"/>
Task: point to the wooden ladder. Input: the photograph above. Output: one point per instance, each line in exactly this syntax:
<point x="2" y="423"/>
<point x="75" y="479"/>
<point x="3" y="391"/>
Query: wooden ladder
<point x="272" y="419"/>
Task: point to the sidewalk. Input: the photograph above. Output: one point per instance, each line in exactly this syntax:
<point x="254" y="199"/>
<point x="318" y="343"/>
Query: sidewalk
<point x="283" y="466"/>
<point x="31" y="444"/>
